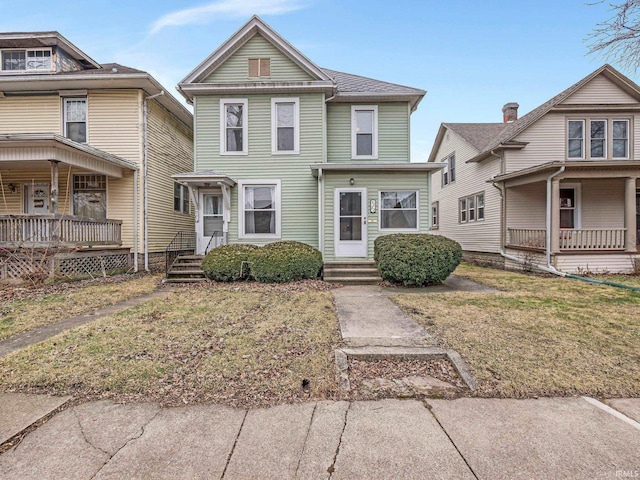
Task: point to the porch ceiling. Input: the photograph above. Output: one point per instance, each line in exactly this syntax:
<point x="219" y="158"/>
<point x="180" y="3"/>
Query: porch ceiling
<point x="576" y="169"/>
<point x="34" y="151"/>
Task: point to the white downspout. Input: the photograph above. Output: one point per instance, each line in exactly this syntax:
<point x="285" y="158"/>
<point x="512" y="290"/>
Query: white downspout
<point x="320" y="212"/>
<point x="136" y="223"/>
<point x="145" y="183"/>
<point x="548" y="219"/>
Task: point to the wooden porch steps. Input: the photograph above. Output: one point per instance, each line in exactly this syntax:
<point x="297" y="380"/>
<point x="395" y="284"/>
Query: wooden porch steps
<point x="186" y="269"/>
<point x="352" y="272"/>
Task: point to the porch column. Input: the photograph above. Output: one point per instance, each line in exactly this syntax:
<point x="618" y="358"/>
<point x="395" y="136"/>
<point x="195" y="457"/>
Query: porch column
<point x="630" y="215"/>
<point x="555" y="216"/>
<point x="54" y="186"/>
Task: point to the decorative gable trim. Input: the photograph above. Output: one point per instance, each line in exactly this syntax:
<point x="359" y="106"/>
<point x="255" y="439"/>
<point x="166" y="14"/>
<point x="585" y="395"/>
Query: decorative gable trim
<point x="253" y="27"/>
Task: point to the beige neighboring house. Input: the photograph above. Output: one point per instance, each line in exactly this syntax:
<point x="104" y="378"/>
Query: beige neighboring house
<point x="557" y="188"/>
<point x="87" y="151"/>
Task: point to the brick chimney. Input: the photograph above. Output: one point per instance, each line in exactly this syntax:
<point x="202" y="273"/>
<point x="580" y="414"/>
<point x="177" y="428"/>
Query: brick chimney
<point x="510" y="112"/>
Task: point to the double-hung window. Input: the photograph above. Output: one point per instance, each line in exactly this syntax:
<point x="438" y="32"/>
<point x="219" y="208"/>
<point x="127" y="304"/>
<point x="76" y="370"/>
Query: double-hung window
<point x="259" y="206"/>
<point x="449" y="171"/>
<point x="608" y="138"/>
<point x="285" y="125"/>
<point x="598" y="140"/>
<point x="575" y="139"/>
<point x="620" y="139"/>
<point x="399" y="210"/>
<point x="364" y="131"/>
<point x="435" y="215"/>
<point x="26" y="60"/>
<point x="75" y="119"/>
<point x="180" y="198"/>
<point x="471" y="208"/>
<point x="233" y="126"/>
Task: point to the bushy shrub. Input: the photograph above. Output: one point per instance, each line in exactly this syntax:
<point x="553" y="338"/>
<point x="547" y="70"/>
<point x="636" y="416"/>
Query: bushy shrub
<point x="416" y="260"/>
<point x="224" y="264"/>
<point x="282" y="262"/>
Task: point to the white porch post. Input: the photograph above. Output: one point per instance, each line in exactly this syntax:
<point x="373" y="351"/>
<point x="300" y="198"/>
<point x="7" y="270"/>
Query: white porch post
<point x="54" y="186"/>
<point x="630" y="215"/>
<point x="226" y="212"/>
<point x="555" y="216"/>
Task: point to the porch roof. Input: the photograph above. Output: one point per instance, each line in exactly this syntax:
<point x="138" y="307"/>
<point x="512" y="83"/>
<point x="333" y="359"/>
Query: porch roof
<point x="204" y="178"/>
<point x="43" y="147"/>
<point x="573" y="169"/>
<point x="376" y="167"/>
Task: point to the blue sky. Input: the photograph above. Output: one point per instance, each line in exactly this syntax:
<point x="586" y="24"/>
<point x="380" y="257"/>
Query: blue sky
<point x="472" y="57"/>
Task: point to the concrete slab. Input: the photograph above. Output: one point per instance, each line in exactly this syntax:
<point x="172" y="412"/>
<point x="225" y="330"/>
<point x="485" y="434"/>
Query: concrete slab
<point x="368" y="317"/>
<point x="628" y="406"/>
<point x="189" y="442"/>
<point x="391" y="439"/>
<point x="271" y="443"/>
<point x="322" y="441"/>
<point x="19" y="410"/>
<point x="544" y="438"/>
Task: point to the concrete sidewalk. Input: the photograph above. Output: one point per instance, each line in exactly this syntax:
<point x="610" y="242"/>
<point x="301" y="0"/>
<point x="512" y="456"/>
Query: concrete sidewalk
<point x="387" y="439"/>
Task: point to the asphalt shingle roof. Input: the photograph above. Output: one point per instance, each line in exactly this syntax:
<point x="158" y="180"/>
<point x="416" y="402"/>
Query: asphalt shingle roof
<point x="477" y="134"/>
<point x="347" y="82"/>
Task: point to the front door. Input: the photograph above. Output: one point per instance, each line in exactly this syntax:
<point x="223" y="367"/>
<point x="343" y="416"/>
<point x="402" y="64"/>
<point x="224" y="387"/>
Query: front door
<point x="36" y="198"/>
<point x="210" y="232"/>
<point x="351" y="222"/>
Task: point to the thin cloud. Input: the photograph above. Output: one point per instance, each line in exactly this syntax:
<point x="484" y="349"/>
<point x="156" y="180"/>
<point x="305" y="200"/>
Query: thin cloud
<point x="225" y="9"/>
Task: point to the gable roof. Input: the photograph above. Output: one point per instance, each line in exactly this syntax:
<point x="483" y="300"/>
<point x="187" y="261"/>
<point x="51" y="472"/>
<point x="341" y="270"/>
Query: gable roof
<point x="486" y="137"/>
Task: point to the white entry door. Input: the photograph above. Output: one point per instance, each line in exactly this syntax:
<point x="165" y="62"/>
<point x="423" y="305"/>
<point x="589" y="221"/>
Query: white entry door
<point x="350" y="222"/>
<point x="36" y="199"/>
<point x="210" y="232"/>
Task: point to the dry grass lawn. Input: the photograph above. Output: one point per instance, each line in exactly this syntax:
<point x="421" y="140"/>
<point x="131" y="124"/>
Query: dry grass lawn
<point x="64" y="301"/>
<point x="243" y="345"/>
<point x="539" y="335"/>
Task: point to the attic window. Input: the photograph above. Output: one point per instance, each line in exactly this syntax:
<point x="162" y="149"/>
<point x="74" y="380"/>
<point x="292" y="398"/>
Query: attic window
<point x="259" y="67"/>
<point x="24" y="60"/>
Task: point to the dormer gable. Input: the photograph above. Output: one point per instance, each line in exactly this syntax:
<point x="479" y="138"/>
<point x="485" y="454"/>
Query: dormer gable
<point x="602" y="90"/>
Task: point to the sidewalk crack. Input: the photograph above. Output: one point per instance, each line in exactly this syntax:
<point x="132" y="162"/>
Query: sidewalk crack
<point x="306" y="438"/>
<point x="332" y="467"/>
<point x="224" y="472"/>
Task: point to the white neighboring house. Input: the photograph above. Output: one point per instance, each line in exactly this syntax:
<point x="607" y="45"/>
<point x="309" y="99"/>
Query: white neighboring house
<point x="557" y="187"/>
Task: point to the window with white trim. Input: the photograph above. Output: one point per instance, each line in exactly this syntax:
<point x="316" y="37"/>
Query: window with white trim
<point x="180" y="198"/>
<point x="575" y="136"/>
<point x="233" y="126"/>
<point x="435" y="215"/>
<point x="471" y="208"/>
<point x="259" y="208"/>
<point x="26" y="60"/>
<point x="449" y="171"/>
<point x="598" y="138"/>
<point x="620" y="139"/>
<point x="607" y="138"/>
<point x="90" y="196"/>
<point x="75" y="119"/>
<point x="364" y="131"/>
<point x="399" y="210"/>
<point x="285" y="125"/>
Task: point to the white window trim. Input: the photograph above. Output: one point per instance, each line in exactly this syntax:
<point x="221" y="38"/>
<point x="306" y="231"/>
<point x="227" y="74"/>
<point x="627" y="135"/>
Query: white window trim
<point x="466" y="198"/>
<point x="380" y="209"/>
<point x="584" y="139"/>
<point x="106" y="194"/>
<point x="26" y="52"/>
<point x="223" y="125"/>
<point x="577" y="218"/>
<point x="484" y="206"/>
<point x="296" y="126"/>
<point x="259" y="182"/>
<point x="64" y="115"/>
<point x="606" y="143"/>
<point x="435" y="218"/>
<point x="184" y="192"/>
<point x="374" y="140"/>
<point x="628" y="138"/>
<point x="447" y="169"/>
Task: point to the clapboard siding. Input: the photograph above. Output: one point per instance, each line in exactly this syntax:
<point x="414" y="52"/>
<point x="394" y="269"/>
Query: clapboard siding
<point x="546" y="143"/>
<point x="170" y="151"/>
<point x="600" y="90"/>
<point x="602" y="203"/>
<point x="375" y="183"/>
<point x="37" y="114"/>
<point x="299" y="187"/>
<point x="526" y="206"/>
<point x="611" y="262"/>
<point x="471" y="178"/>
<point x="236" y="68"/>
<point x="393" y="132"/>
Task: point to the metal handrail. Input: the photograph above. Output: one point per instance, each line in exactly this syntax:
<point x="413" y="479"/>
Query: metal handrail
<point x="182" y="242"/>
<point x="208" y="248"/>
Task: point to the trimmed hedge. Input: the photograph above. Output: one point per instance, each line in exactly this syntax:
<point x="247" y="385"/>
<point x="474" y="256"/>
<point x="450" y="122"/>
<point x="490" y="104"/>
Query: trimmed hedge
<point x="282" y="262"/>
<point x="416" y="260"/>
<point x="224" y="264"/>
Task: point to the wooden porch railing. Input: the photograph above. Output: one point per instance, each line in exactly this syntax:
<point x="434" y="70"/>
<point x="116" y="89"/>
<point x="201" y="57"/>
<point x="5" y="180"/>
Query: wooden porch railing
<point x="574" y="239"/>
<point x="46" y="230"/>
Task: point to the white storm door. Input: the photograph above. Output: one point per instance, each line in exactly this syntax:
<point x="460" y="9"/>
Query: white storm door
<point x="37" y="198"/>
<point x="350" y="222"/>
<point x="211" y="222"/>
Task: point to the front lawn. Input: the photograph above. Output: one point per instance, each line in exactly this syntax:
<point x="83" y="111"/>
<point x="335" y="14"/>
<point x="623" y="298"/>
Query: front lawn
<point x="540" y="335"/>
<point x="239" y="344"/>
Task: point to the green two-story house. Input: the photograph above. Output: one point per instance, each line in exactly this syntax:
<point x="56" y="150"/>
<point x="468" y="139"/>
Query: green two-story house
<point x="286" y="150"/>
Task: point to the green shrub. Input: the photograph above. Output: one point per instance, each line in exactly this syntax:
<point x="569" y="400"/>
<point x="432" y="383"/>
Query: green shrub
<point x="282" y="262"/>
<point x="224" y="264"/>
<point x="416" y="260"/>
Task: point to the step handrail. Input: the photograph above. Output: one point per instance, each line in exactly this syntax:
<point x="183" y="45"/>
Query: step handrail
<point x="182" y="242"/>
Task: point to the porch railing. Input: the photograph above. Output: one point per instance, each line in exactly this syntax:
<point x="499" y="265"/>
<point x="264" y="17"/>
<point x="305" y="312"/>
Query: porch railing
<point x="574" y="239"/>
<point x="49" y="229"/>
<point x="592" y="239"/>
<point x="182" y="242"/>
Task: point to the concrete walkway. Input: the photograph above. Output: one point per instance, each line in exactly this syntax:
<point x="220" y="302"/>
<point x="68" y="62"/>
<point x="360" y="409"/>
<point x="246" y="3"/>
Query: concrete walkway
<point x="388" y="439"/>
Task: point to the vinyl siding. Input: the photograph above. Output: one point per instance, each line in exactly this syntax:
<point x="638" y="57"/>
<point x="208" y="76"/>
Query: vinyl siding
<point x="471" y="178"/>
<point x="602" y="203"/>
<point x="546" y="143"/>
<point x="393" y="132"/>
<point x="120" y="198"/>
<point x="600" y="90"/>
<point x="299" y="186"/>
<point x="236" y="68"/>
<point x="170" y="151"/>
<point x="527" y="206"/>
<point x="612" y="262"/>
<point x="37" y="114"/>
<point x="374" y="182"/>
